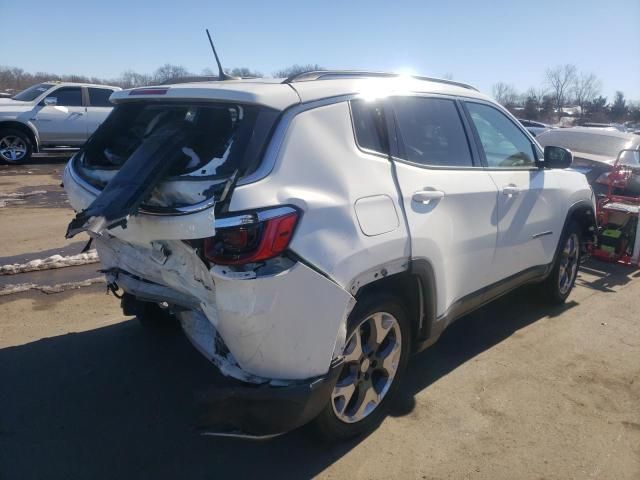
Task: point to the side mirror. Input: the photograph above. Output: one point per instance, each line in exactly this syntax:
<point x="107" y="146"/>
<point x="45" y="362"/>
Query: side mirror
<point x="557" y="157"/>
<point x="50" y="101"/>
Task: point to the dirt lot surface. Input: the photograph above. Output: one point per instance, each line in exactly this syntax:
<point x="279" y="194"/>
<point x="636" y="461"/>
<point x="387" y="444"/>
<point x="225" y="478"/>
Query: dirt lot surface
<point x="514" y="390"/>
<point x="34" y="211"/>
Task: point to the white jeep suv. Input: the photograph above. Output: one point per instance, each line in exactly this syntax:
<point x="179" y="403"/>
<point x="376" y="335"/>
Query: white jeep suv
<point x="311" y="234"/>
<point x="51" y="117"/>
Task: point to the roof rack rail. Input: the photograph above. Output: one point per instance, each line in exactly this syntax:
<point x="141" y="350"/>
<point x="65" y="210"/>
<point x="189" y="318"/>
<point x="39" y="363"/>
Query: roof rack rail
<point x="334" y="74"/>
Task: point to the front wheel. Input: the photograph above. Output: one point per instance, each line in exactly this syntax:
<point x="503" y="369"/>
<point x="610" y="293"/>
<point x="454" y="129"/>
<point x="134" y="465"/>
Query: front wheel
<point x="560" y="282"/>
<point x="15" y="146"/>
<point x="375" y="357"/>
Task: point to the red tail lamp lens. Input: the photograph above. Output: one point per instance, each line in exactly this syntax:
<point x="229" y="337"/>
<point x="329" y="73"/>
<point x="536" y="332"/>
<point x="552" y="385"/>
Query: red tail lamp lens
<point x="251" y="243"/>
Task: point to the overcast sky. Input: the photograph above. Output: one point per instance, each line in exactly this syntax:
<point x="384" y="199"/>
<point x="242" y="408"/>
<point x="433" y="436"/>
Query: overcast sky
<point x="478" y="42"/>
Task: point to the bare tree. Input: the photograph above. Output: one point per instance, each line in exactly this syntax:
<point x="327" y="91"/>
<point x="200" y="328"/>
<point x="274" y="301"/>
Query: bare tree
<point x="447" y="76"/>
<point x="244" y="72"/>
<point x="295" y="69"/>
<point x="505" y="94"/>
<point x="536" y="94"/>
<point x="586" y="87"/>
<point x="131" y="79"/>
<point x="169" y="72"/>
<point x="561" y="79"/>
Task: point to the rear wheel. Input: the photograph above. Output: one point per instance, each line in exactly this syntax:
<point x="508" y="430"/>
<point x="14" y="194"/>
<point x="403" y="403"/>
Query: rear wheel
<point x="375" y="357"/>
<point x="15" y="146"/>
<point x="560" y="282"/>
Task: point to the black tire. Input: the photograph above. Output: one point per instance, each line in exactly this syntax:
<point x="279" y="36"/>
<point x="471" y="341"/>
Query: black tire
<point x="328" y="425"/>
<point x="8" y="133"/>
<point x="149" y="314"/>
<point x="555" y="290"/>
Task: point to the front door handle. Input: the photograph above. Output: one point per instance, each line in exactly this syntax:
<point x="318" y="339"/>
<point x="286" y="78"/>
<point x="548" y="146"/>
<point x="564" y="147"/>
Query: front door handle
<point x="510" y="190"/>
<point x="425" y="196"/>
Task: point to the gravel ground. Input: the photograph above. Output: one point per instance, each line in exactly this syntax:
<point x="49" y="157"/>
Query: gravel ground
<point x="514" y="390"/>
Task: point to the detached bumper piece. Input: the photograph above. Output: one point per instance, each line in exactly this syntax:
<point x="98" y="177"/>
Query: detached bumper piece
<point x="263" y="411"/>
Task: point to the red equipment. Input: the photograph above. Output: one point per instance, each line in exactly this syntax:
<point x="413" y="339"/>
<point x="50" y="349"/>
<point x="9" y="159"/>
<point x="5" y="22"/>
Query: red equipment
<point x="618" y="212"/>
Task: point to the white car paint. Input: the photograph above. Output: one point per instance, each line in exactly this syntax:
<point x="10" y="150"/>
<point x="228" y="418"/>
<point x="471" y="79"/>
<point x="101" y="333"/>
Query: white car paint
<point x="290" y="325"/>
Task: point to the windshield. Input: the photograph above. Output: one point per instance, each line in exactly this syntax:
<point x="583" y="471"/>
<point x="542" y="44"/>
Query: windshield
<point x="585" y="142"/>
<point x="32" y="92"/>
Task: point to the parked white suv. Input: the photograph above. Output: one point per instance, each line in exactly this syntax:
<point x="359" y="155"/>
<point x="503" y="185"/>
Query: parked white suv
<point x="51" y="116"/>
<point x="310" y="234"/>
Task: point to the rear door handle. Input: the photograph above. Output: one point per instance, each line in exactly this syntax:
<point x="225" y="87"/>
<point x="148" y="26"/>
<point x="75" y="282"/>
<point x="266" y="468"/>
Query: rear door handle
<point x="510" y="190"/>
<point x="425" y="196"/>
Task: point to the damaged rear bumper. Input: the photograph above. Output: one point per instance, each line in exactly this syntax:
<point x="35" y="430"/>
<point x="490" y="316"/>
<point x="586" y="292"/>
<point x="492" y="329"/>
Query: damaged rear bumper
<point x="264" y="411"/>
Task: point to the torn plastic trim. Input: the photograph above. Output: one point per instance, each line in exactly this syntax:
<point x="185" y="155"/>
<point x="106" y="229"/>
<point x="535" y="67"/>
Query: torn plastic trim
<point x="377" y="273"/>
<point x="134" y="182"/>
<point x="175" y="195"/>
<point x="72" y="174"/>
<point x="144" y="228"/>
<point x="149" y="291"/>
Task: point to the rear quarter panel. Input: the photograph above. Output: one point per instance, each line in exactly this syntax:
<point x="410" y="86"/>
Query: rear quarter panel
<point x="321" y="170"/>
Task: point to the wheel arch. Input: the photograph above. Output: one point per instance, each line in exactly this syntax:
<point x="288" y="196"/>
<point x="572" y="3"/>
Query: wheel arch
<point x="25" y="128"/>
<point x="415" y="288"/>
<point x="583" y="213"/>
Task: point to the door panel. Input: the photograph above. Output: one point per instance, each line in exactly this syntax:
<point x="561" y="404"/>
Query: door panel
<point x="450" y="204"/>
<point x="456" y="232"/>
<point x="527" y="219"/>
<point x="64" y="123"/>
<point x="526" y="203"/>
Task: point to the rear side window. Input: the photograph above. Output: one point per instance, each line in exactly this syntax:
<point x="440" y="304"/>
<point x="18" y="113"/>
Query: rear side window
<point x="67" y="96"/>
<point x="431" y="132"/>
<point x="217" y="139"/>
<point x="368" y="125"/>
<point x="99" y="97"/>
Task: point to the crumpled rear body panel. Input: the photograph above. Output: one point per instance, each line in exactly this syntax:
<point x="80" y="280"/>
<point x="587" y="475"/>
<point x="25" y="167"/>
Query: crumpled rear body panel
<point x="285" y="326"/>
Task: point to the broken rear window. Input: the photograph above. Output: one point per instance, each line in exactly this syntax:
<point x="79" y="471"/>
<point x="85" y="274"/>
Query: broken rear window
<point x="216" y="139"/>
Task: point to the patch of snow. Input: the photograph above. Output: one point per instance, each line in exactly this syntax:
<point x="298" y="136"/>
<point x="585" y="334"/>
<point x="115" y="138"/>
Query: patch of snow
<point x="54" y="261"/>
<point x="57" y="288"/>
<point x="6" y="198"/>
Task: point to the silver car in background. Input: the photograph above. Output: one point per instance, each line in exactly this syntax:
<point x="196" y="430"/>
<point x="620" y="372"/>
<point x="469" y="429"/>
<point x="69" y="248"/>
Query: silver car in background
<point x="595" y="150"/>
<point x="51" y="116"/>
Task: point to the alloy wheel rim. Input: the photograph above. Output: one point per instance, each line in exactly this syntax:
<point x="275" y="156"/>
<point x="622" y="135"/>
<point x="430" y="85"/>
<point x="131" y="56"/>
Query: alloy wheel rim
<point x="568" y="263"/>
<point x="12" y="148"/>
<point x="371" y="359"/>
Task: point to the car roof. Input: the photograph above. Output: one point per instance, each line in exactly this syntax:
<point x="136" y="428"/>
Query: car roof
<point x="281" y="94"/>
<point x="79" y="84"/>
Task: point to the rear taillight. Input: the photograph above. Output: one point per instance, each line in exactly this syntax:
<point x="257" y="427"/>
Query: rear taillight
<point x="264" y="237"/>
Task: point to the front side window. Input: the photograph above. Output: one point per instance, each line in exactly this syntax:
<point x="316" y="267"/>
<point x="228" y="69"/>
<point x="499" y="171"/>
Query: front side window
<point x="431" y="132"/>
<point x="99" y="97"/>
<point x="67" y="96"/>
<point x="504" y="144"/>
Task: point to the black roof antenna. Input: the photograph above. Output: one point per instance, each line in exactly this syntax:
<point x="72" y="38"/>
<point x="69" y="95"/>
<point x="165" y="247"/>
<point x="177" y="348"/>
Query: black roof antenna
<point x="221" y="74"/>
